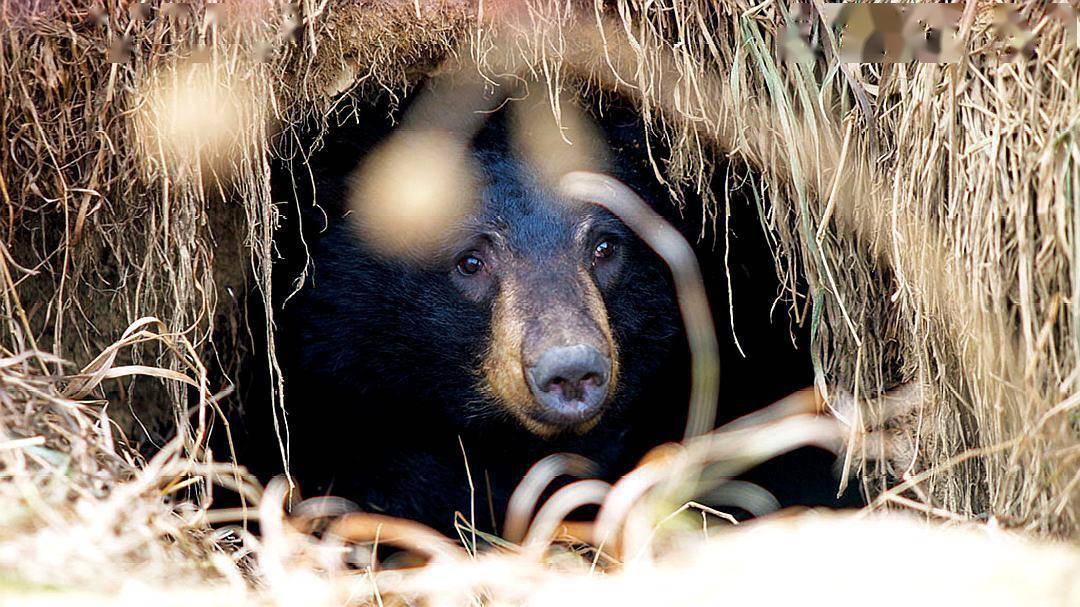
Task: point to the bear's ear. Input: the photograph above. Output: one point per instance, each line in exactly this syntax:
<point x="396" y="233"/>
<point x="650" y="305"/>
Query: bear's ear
<point x="557" y="145"/>
<point x="411" y="191"/>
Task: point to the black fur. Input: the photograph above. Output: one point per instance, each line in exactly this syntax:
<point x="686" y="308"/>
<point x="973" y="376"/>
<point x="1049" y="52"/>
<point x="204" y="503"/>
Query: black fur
<point x="380" y="356"/>
<point x="380" y="359"/>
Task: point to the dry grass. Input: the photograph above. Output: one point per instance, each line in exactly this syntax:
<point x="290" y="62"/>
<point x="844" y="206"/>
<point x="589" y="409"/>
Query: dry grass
<point x="931" y="209"/>
<point x="87" y="522"/>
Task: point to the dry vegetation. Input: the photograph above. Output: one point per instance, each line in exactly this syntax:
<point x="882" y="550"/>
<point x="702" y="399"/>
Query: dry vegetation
<point x="932" y="210"/>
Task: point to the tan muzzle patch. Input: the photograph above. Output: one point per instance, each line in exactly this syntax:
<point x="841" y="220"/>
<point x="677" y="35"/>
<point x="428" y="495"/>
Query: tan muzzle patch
<point x="504" y="364"/>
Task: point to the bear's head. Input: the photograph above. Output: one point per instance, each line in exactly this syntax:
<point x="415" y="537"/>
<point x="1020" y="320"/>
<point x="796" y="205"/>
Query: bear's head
<point x="542" y="266"/>
<point x="530" y="307"/>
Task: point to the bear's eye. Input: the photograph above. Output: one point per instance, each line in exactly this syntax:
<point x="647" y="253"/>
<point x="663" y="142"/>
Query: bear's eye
<point x="469" y="265"/>
<point x="604" y="249"/>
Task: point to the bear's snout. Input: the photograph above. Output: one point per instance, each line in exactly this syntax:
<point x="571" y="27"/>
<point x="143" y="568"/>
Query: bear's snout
<point x="570" y="383"/>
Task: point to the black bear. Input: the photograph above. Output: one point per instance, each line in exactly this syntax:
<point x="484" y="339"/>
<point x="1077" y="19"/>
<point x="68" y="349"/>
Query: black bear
<point x="533" y="326"/>
<point x="538" y="326"/>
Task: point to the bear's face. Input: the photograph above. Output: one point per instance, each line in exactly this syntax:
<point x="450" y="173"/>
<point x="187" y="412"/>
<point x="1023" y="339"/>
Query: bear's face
<point x="532" y="308"/>
<point x="544" y="268"/>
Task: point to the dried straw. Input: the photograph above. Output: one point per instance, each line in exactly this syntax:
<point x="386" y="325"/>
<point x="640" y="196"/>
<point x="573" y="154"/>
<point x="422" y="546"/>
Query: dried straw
<point x="931" y="210"/>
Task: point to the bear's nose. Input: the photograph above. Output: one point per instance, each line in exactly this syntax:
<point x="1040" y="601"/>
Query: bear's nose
<point x="570" y="382"/>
